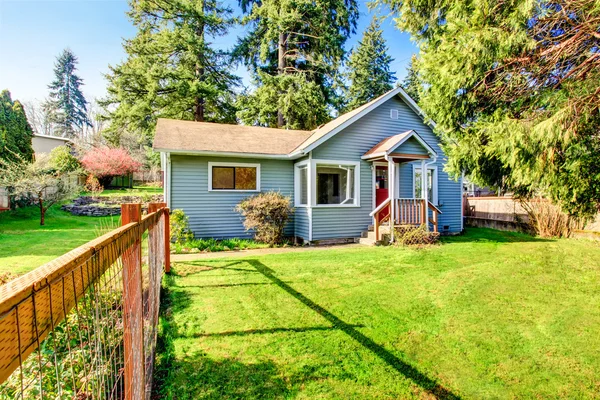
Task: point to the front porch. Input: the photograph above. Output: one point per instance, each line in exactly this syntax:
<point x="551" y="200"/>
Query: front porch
<point x="391" y="210"/>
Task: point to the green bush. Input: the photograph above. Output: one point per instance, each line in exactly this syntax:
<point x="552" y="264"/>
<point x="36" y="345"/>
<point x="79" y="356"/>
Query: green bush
<point x="266" y="214"/>
<point x="61" y="160"/>
<point x="180" y="227"/>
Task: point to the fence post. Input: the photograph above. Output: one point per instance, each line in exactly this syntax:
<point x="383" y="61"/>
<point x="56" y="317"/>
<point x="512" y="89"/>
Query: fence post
<point x="133" y="334"/>
<point x="167" y="241"/>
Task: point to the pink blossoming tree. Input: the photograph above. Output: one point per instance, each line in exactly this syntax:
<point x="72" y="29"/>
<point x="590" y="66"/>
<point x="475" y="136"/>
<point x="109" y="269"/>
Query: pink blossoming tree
<point x="105" y="163"/>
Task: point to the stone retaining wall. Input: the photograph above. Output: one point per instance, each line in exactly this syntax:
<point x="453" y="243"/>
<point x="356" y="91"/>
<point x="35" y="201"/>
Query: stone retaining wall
<point x="105" y="206"/>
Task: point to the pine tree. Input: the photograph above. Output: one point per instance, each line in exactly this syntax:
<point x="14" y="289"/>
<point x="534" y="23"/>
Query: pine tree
<point x="15" y="131"/>
<point x="68" y="107"/>
<point x="513" y="89"/>
<point x="369" y="73"/>
<point x="171" y="70"/>
<point x="412" y="84"/>
<point x="294" y="49"/>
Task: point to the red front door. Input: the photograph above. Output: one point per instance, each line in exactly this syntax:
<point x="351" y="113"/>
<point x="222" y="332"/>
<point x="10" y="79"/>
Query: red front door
<point x="381" y="188"/>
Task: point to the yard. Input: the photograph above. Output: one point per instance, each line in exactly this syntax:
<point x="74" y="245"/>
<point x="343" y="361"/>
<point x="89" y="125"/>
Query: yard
<point x="25" y="245"/>
<point x="486" y="315"/>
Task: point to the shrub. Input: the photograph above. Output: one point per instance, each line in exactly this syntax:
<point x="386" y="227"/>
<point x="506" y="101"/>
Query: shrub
<point x="548" y="220"/>
<point x="106" y="163"/>
<point x="63" y="161"/>
<point x="93" y="186"/>
<point x="180" y="227"/>
<point x="266" y="214"/>
<point x="415" y="236"/>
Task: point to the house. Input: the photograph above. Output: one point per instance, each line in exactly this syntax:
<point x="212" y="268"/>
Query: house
<point x="347" y="175"/>
<point x="46" y="143"/>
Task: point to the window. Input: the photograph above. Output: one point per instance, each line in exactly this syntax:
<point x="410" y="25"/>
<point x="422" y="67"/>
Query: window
<point x="238" y="177"/>
<point x="431" y="184"/>
<point x="304" y="185"/>
<point x="336" y="184"/>
<point x="326" y="183"/>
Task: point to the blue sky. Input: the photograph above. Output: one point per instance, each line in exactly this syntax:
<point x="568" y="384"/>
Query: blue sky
<point x="32" y="33"/>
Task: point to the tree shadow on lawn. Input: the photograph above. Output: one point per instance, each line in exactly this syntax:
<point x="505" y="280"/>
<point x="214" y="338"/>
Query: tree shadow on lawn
<point x="231" y="379"/>
<point x="426" y="383"/>
<point x="197" y="376"/>
<point x="487" y="235"/>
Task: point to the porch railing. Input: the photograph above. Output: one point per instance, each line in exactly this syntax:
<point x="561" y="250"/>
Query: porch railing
<point x="406" y="211"/>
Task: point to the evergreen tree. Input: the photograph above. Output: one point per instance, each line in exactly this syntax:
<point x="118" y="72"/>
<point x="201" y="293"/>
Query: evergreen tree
<point x="171" y="70"/>
<point x="369" y="73"/>
<point x="15" y="131"/>
<point x="513" y="89"/>
<point x="412" y="84"/>
<point x="68" y="107"/>
<point x="294" y="49"/>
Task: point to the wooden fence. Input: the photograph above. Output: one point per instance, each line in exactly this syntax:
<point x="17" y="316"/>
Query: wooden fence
<point x="84" y="325"/>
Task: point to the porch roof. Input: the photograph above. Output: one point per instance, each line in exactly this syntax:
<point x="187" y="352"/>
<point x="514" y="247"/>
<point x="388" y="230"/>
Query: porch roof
<point x="387" y="146"/>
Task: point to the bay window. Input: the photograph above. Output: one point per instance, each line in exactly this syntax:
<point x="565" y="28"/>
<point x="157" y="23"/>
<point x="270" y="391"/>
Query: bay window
<point x="324" y="183"/>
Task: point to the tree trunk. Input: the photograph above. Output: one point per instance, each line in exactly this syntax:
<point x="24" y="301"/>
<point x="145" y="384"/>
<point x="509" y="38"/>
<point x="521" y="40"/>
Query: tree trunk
<point x="281" y="70"/>
<point x="42" y="209"/>
<point x="200" y="71"/>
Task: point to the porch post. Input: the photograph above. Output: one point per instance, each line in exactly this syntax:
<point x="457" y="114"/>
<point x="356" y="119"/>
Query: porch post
<point x="391" y="192"/>
<point x="424" y="192"/>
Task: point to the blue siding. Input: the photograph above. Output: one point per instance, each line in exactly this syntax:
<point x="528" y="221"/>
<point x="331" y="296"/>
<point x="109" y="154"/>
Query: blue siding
<point x="301" y="222"/>
<point x="411" y="146"/>
<point x="212" y="213"/>
<point x="351" y="143"/>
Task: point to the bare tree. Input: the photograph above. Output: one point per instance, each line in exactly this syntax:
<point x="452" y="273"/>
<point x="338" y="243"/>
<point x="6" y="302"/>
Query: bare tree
<point x="38" y="116"/>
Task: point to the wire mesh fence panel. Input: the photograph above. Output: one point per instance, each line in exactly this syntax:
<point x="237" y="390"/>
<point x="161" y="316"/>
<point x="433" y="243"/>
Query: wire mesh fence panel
<point x="63" y="327"/>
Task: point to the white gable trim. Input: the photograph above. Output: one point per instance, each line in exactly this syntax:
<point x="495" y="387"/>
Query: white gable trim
<point x="394" y="92"/>
<point x="411" y="133"/>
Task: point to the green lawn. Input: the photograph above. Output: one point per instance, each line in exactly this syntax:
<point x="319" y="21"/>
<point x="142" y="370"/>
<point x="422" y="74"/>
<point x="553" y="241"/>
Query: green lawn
<point x="135" y="191"/>
<point x="25" y="245"/>
<point x="485" y="315"/>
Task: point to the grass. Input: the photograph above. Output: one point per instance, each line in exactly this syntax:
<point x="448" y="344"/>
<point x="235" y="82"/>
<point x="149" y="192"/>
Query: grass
<point x="135" y="191"/>
<point x="486" y="315"/>
<point x="214" y="245"/>
<point x="25" y="245"/>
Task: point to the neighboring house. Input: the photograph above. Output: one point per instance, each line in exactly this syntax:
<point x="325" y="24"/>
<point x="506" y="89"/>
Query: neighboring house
<point x="45" y="143"/>
<point x="340" y="176"/>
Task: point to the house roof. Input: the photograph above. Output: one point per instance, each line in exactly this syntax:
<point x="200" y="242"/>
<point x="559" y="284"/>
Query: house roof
<point x="389" y="144"/>
<point x="211" y="138"/>
<point x="59" y="138"/>
<point x="205" y="137"/>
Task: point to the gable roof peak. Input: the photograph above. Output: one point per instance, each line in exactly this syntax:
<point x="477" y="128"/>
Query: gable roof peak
<point x="328" y="130"/>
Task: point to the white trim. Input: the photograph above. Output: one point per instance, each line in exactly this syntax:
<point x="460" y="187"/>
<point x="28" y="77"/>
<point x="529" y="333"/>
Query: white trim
<point x="411" y="133"/>
<point x="336" y="163"/>
<point x="168" y="180"/>
<point x="229" y="154"/>
<point x="297" y="189"/>
<point x="232" y="165"/>
<point x="462" y="203"/>
<point x="396" y="91"/>
<point x="433" y="168"/>
<point x="310" y="190"/>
